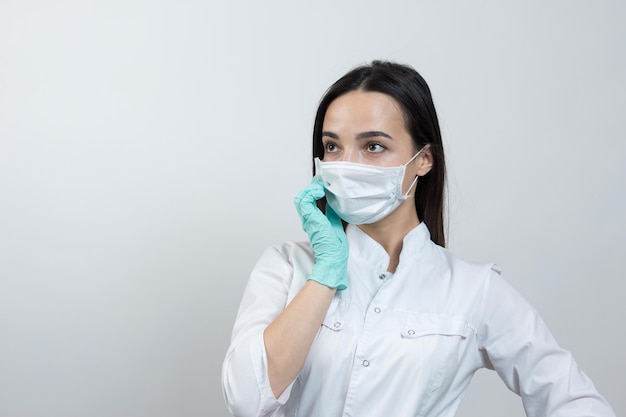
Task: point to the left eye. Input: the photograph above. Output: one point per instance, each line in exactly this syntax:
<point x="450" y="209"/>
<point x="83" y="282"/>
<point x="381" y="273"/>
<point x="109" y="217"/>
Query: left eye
<point x="375" y="147"/>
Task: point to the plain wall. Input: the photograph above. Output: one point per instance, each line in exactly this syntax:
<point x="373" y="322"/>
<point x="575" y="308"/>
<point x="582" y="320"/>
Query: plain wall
<point x="150" y="150"/>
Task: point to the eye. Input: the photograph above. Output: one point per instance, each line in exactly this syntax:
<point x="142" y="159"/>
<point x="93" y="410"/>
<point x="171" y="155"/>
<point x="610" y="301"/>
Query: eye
<point x="330" y="147"/>
<point x="375" y="147"/>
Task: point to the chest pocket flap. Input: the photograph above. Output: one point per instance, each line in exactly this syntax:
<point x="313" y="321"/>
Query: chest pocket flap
<point x="419" y="325"/>
<point x="335" y="317"/>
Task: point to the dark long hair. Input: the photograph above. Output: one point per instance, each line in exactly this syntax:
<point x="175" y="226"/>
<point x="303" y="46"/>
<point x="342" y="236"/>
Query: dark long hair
<point x="411" y="92"/>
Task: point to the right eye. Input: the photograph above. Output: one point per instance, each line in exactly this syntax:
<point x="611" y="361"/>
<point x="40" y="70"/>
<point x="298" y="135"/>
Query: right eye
<point x="330" y="147"/>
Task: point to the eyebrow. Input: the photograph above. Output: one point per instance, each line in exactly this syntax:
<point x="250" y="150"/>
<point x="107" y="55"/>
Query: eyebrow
<point x="363" y="135"/>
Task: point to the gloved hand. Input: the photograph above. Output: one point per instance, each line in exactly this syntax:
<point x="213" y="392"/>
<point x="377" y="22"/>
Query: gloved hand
<point x="327" y="238"/>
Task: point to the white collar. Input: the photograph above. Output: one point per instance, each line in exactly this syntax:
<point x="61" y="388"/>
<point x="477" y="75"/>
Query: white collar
<point x="415" y="244"/>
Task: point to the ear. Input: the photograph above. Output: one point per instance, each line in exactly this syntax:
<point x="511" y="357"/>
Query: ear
<point x="424" y="162"/>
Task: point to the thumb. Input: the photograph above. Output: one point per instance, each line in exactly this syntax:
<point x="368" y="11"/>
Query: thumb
<point x="334" y="218"/>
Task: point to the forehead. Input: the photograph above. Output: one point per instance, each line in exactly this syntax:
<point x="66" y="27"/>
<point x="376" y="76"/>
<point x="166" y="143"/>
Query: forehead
<point x="364" y="108"/>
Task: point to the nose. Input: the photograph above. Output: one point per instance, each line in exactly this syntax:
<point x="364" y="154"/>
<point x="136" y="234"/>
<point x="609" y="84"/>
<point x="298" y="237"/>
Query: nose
<point x="349" y="154"/>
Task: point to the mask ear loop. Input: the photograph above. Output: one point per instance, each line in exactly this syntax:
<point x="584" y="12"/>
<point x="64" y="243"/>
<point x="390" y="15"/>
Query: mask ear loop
<point x="415" y="156"/>
<point x="406" y="196"/>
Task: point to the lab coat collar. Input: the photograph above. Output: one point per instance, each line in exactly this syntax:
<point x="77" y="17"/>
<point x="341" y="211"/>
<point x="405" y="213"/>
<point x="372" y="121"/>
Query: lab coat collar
<point x="414" y="245"/>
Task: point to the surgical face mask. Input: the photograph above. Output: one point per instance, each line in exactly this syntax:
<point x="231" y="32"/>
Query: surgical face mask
<point x="361" y="193"/>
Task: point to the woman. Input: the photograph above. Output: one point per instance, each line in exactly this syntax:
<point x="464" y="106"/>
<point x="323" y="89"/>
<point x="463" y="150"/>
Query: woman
<point x="404" y="323"/>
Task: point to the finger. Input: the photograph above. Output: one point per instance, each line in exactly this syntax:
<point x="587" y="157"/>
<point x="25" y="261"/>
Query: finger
<point x="313" y="192"/>
<point x="317" y="180"/>
<point x="316" y="188"/>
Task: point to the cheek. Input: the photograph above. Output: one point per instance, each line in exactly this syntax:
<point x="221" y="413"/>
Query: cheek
<point x="409" y="177"/>
<point x="413" y="168"/>
<point x="330" y="156"/>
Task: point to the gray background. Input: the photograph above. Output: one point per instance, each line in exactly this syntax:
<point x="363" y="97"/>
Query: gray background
<point x="150" y="150"/>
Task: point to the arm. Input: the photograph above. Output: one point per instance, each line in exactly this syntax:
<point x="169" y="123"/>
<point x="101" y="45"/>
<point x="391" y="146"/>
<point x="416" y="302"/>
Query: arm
<point x="518" y="345"/>
<point x="272" y="335"/>
<point x="289" y="338"/>
<point x="246" y="388"/>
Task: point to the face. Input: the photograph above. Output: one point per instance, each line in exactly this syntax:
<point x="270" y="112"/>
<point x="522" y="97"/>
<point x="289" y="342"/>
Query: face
<point x="368" y="128"/>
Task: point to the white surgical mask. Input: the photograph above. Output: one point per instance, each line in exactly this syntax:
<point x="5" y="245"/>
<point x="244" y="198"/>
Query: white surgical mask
<point x="362" y="193"/>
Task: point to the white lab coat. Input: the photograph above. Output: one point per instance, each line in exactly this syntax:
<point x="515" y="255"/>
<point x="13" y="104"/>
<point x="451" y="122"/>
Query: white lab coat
<point x="402" y="344"/>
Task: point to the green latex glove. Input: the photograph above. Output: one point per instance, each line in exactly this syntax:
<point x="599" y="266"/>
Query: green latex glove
<point x="327" y="238"/>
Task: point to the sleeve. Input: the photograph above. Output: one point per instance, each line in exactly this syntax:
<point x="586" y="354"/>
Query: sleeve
<point x="245" y="381"/>
<point x="518" y="345"/>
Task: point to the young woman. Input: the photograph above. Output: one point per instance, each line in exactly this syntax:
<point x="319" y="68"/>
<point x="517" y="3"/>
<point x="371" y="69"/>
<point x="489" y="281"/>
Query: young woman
<point x="373" y="316"/>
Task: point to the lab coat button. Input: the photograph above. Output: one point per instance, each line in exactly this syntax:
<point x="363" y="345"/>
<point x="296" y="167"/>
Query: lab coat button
<point x="382" y="276"/>
<point x="411" y="332"/>
<point x="377" y="310"/>
<point x="366" y="363"/>
<point x="337" y="325"/>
